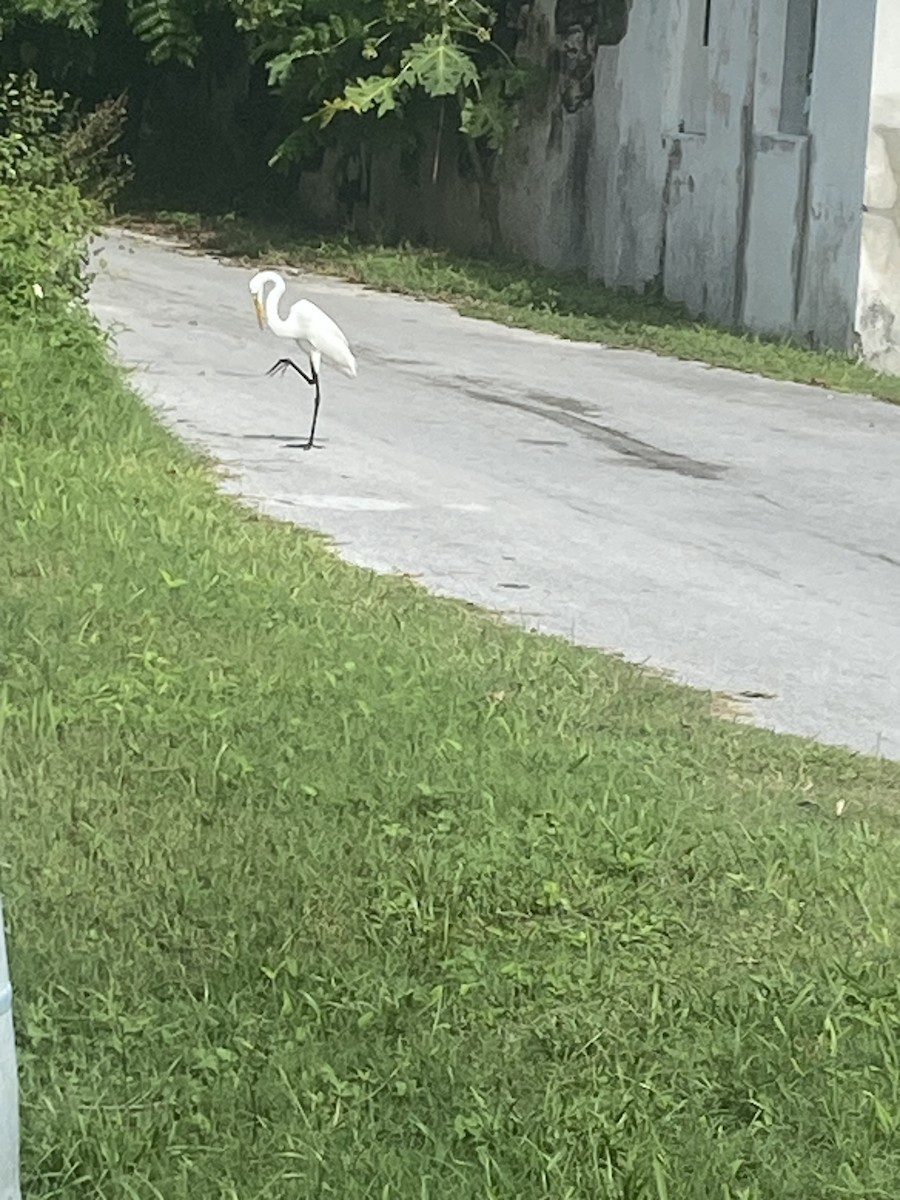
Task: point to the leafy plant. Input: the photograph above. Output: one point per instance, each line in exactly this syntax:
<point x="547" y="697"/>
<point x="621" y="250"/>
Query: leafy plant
<point x="440" y="49"/>
<point x="313" y="51"/>
<point x="168" y="27"/>
<point x="79" y="15"/>
<point x="46" y="140"/>
<point x="42" y="234"/>
<point x="328" y="59"/>
<point x="88" y="150"/>
<point x="436" y="64"/>
<point x="57" y="170"/>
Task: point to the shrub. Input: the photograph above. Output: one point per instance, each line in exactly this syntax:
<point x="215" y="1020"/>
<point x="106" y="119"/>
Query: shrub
<point x="57" y="172"/>
<point x="42" y="245"/>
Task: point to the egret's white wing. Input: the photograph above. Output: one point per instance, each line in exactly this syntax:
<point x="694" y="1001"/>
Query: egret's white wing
<point x="317" y="333"/>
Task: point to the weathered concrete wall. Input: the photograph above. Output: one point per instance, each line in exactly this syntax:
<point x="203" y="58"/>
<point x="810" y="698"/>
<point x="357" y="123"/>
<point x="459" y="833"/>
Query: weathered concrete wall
<point x="879" y="284"/>
<point x="838" y="124"/>
<point x="700" y="144"/>
<point x="582" y="187"/>
<point x="722" y="170"/>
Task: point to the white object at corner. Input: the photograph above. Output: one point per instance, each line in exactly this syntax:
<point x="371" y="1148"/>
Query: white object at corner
<point x="9" y="1086"/>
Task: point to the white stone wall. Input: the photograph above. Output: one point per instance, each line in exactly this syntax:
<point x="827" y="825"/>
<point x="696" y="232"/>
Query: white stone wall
<point x="838" y="125"/>
<point x="716" y="169"/>
<point x="879" y="283"/>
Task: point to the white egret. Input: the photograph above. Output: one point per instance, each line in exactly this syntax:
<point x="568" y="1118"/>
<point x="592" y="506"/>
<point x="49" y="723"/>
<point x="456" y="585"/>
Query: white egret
<point x="313" y="331"/>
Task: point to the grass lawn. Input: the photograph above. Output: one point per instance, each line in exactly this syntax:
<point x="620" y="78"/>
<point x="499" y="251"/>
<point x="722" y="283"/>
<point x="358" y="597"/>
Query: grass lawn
<point x="520" y="294"/>
<point x="320" y="887"/>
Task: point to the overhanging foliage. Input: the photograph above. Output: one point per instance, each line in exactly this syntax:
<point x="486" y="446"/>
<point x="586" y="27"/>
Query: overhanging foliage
<point x="348" y="57"/>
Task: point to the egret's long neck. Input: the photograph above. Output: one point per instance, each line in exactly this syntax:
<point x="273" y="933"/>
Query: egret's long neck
<point x="272" y="300"/>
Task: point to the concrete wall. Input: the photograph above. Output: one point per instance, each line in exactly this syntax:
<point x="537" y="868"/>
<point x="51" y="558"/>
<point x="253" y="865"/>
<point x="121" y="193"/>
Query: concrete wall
<point x="838" y="128"/>
<point x="723" y="170"/>
<point x="879" y="284"/>
<point x="705" y="146"/>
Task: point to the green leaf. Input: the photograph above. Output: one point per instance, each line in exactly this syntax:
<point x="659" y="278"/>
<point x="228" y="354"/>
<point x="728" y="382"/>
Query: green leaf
<point x="165" y="27"/>
<point x="375" y="91"/>
<point x="491" y="114"/>
<point x="279" y="67"/>
<point x="329" y="111"/>
<point x="486" y="118"/>
<point x="439" y="65"/>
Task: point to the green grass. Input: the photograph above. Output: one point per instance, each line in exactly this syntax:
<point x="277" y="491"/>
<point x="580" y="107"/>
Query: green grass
<point x="320" y="887"/>
<point x="520" y="294"/>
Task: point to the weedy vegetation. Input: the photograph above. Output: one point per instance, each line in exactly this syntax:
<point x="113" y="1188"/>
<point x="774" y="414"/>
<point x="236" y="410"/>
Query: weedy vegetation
<point x="318" y="886"/>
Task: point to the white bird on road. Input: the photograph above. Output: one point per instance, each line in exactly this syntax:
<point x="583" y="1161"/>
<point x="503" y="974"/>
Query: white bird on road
<point x="313" y="331"/>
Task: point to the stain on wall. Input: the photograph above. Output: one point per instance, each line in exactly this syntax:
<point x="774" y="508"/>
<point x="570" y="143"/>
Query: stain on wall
<point x="581" y="26"/>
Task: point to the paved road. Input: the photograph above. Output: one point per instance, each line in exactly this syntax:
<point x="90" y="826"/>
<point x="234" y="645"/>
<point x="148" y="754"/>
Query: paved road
<point x="744" y="535"/>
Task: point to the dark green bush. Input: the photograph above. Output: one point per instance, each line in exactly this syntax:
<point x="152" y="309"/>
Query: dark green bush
<point x="42" y="238"/>
<point x="57" y="172"/>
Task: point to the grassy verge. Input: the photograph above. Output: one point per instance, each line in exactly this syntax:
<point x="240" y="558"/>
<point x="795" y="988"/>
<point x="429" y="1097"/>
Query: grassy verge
<point x="520" y="294"/>
<point x="320" y="887"/>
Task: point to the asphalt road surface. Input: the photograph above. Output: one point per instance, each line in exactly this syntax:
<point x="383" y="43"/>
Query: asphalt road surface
<point x="742" y="534"/>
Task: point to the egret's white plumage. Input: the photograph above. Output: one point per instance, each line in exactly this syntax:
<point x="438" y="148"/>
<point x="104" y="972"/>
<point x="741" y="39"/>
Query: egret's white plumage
<point x="313" y="331"/>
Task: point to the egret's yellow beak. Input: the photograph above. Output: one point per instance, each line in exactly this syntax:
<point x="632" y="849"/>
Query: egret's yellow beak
<point x="260" y="312"/>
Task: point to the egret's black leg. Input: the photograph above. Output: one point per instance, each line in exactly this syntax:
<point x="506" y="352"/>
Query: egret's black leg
<point x="283" y="364"/>
<point x="312" y="431"/>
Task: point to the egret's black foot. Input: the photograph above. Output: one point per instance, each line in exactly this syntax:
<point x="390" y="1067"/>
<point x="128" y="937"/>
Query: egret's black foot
<point x="282" y="365"/>
<point x="302" y="446"/>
